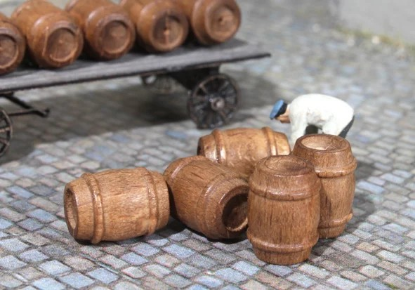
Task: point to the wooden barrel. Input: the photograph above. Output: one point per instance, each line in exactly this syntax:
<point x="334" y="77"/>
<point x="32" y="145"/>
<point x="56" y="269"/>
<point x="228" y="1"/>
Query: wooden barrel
<point x="212" y="21"/>
<point x="335" y="165"/>
<point x="283" y="209"/>
<point x="208" y="197"/>
<point x="161" y="25"/>
<point x="242" y="148"/>
<point x="116" y="205"/>
<point x="53" y="38"/>
<point x="107" y="28"/>
<point x="12" y="46"/>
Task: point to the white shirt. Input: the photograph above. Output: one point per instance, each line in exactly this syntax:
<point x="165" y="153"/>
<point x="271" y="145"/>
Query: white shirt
<point x="329" y="114"/>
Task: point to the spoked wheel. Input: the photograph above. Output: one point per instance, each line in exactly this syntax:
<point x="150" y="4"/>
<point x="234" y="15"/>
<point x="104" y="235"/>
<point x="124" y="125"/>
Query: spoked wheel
<point x="213" y="101"/>
<point x="161" y="84"/>
<point x="6" y="132"/>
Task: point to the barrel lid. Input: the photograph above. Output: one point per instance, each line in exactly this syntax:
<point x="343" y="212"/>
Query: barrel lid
<point x="12" y="47"/>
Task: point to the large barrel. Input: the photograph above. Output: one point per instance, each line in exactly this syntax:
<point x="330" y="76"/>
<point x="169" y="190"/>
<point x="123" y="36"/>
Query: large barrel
<point x="242" y="148"/>
<point x="161" y="25"/>
<point x="283" y="209"/>
<point x="53" y="38"/>
<point x="335" y="165"/>
<point x="116" y="205"/>
<point x="12" y="46"/>
<point x="107" y="28"/>
<point x="208" y="197"/>
<point x="212" y="21"/>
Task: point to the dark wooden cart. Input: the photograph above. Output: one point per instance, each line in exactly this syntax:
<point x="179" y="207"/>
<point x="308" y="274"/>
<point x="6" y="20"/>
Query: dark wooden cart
<point x="213" y="96"/>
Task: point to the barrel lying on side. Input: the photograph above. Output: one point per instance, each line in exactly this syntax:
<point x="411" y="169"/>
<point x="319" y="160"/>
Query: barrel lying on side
<point x="161" y="25"/>
<point x="208" y="197"/>
<point x="283" y="209"/>
<point x="53" y="38"/>
<point x="212" y="21"/>
<point x="107" y="28"/>
<point x="116" y="205"/>
<point x="335" y="165"/>
<point x="12" y="44"/>
<point x="242" y="148"/>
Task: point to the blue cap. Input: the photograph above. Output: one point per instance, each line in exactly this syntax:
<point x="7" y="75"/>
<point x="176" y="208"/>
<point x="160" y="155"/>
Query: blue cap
<point x="276" y="109"/>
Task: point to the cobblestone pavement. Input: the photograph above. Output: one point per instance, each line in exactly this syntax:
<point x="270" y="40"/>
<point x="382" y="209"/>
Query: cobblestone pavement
<point x="118" y="123"/>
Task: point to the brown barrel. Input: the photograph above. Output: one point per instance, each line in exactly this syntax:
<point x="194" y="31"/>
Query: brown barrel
<point x="161" y="25"/>
<point x="53" y="38"/>
<point x="12" y="46"/>
<point x="116" y="205"/>
<point x="242" y="148"/>
<point x="335" y="165"/>
<point x="212" y="21"/>
<point x="107" y="28"/>
<point x="283" y="209"/>
<point x="208" y="197"/>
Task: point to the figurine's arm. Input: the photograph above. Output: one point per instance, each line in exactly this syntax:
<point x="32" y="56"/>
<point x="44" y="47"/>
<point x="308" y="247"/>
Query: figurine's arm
<point x="298" y="127"/>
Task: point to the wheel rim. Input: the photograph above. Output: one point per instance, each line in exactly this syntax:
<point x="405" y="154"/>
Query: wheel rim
<point x="213" y="101"/>
<point x="6" y="132"/>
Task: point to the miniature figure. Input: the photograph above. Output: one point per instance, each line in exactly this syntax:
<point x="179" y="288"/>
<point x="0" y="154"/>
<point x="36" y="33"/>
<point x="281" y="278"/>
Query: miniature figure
<point x="308" y="113"/>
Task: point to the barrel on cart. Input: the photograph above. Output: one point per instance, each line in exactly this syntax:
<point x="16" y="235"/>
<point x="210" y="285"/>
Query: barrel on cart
<point x="213" y="96"/>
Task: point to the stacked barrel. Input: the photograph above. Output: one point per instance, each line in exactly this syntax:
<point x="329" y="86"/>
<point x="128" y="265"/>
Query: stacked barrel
<point x="103" y="30"/>
<point x="241" y="179"/>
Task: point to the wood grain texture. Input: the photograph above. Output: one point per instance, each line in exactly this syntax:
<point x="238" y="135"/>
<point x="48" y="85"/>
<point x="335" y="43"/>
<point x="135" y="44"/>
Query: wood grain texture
<point x="53" y="38"/>
<point x="208" y="197"/>
<point x="212" y="21"/>
<point x="107" y="28"/>
<point x="161" y="25"/>
<point x="335" y="165"/>
<point x="241" y="148"/>
<point x="115" y="205"/>
<point x="184" y="58"/>
<point x="283" y="209"/>
<point x="12" y="45"/>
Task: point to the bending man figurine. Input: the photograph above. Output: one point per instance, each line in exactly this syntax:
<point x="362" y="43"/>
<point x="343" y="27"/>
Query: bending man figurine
<point x="308" y="113"/>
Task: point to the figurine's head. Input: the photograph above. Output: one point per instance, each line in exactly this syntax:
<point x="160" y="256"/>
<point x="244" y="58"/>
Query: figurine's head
<point x="280" y="112"/>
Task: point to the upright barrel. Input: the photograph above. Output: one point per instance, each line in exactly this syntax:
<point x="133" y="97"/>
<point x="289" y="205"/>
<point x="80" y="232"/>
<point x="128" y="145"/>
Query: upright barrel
<point x="107" y="28"/>
<point x="115" y="205"/>
<point x="53" y="38"/>
<point x="161" y="25"/>
<point x="335" y="165"/>
<point x="208" y="197"/>
<point x="12" y="45"/>
<point x="283" y="209"/>
<point x="242" y="148"/>
<point x="212" y="21"/>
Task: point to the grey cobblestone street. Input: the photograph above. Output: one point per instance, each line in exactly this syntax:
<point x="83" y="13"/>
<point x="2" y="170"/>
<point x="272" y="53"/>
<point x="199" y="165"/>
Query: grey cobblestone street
<point x="121" y="124"/>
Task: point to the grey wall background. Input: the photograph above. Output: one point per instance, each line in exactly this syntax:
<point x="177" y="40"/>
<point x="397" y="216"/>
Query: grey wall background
<point x="392" y="18"/>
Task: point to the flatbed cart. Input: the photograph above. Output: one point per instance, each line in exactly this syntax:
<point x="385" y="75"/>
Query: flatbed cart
<point x="213" y="96"/>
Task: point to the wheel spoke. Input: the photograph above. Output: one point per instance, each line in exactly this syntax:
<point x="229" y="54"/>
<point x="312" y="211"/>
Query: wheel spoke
<point x="4" y="141"/>
<point x="224" y="87"/>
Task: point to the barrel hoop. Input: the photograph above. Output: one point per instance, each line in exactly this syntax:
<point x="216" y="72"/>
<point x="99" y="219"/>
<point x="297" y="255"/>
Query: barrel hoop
<point x="288" y="194"/>
<point x="220" y="147"/>
<point x="335" y="223"/>
<point x="332" y="172"/>
<point x="285" y="248"/>
<point x="93" y="186"/>
<point x="269" y="135"/>
<point x="152" y="204"/>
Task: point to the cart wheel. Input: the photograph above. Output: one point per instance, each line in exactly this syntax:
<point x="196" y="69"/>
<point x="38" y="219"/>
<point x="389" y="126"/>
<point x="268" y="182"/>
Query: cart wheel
<point x="161" y="84"/>
<point x="6" y="132"/>
<point x="213" y="101"/>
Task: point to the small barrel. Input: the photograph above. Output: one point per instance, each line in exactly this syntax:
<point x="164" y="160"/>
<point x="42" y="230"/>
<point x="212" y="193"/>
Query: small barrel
<point x="283" y="209"/>
<point x="208" y="197"/>
<point x="12" y="46"/>
<point x="115" y="205"/>
<point x="242" y="148"/>
<point x="161" y="25"/>
<point x="335" y="165"/>
<point x="212" y="21"/>
<point x="53" y="38"/>
<point x="107" y="28"/>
